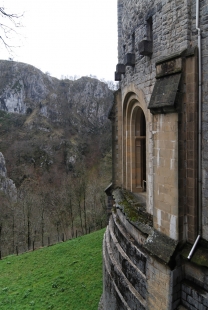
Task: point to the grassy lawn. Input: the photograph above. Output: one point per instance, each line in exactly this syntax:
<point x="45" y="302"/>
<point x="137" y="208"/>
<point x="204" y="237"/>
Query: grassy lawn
<point x="64" y="276"/>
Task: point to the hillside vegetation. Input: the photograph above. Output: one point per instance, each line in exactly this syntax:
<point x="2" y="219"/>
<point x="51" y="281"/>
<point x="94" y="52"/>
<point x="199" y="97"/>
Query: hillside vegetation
<point x="66" y="276"/>
<point x="55" y="140"/>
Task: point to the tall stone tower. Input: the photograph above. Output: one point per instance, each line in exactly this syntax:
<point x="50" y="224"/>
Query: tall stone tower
<point x="155" y="248"/>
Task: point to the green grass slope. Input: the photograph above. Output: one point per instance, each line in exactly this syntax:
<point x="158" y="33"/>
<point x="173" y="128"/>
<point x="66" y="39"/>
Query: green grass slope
<point x="61" y="277"/>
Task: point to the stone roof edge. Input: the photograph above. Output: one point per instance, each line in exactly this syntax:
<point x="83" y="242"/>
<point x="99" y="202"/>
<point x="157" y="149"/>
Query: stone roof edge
<point x="185" y="52"/>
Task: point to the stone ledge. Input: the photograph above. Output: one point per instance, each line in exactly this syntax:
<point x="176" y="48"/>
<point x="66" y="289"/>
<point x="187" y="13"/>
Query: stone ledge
<point x="173" y="56"/>
<point x="181" y="308"/>
<point x="132" y="298"/>
<point x="130" y="247"/>
<point x="130" y="270"/>
<point x="160" y="246"/>
<point x="134" y="214"/>
<point x="200" y="255"/>
<point x="111" y="291"/>
<point x="134" y="209"/>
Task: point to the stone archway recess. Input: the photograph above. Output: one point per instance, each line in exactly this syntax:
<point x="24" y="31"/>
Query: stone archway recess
<point x="134" y="145"/>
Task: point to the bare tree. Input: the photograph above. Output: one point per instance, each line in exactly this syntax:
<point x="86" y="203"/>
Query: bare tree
<point x="42" y="215"/>
<point x="78" y="192"/>
<point x="58" y="213"/>
<point x="12" y="210"/>
<point x="67" y="195"/>
<point x="27" y="210"/>
<point x="9" y="22"/>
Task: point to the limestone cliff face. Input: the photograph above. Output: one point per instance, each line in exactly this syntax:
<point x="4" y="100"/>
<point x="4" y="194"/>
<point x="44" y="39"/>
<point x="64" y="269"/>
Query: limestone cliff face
<point x="6" y="184"/>
<point x="25" y="89"/>
<point x="48" y="124"/>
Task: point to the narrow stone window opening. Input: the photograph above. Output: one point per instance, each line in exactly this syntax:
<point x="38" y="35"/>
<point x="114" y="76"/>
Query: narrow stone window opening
<point x="149" y="29"/>
<point x="140" y="151"/>
<point x="124" y="49"/>
<point x="133" y="42"/>
<point x="145" y="46"/>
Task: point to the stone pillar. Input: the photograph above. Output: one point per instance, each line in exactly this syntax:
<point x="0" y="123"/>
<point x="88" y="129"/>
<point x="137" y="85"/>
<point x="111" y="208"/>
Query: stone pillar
<point x="116" y="118"/>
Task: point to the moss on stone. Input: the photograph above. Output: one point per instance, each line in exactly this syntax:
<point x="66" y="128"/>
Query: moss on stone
<point x="133" y="207"/>
<point x="200" y="255"/>
<point x="130" y="211"/>
<point x="200" y="258"/>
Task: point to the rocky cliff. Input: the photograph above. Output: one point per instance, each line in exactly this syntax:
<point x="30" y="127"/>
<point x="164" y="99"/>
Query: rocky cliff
<point x="49" y="123"/>
<point x="24" y="89"/>
<point x="56" y="140"/>
<point x="7" y="186"/>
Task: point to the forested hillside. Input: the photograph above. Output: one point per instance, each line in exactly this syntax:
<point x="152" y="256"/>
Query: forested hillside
<point x="55" y="141"/>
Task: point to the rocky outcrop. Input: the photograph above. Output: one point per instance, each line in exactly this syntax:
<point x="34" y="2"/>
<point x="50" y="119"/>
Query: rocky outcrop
<point x="49" y="124"/>
<point x="3" y="170"/>
<point x="25" y="89"/>
<point x="6" y="184"/>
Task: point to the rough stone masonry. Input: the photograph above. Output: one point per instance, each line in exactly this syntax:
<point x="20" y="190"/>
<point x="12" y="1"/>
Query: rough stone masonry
<point x="159" y="204"/>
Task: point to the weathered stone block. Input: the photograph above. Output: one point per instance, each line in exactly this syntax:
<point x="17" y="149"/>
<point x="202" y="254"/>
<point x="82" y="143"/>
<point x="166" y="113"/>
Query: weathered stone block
<point x="145" y="48"/>
<point x="120" y="68"/>
<point x="129" y="59"/>
<point x="117" y="76"/>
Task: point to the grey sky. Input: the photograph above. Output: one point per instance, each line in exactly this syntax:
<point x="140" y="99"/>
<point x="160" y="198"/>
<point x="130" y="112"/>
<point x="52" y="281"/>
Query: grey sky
<point x="67" y="37"/>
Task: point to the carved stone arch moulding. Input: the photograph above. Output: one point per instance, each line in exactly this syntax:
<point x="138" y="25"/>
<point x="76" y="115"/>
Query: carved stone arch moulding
<point x="134" y="143"/>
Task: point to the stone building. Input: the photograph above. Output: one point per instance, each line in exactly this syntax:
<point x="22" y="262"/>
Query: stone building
<point x="155" y="249"/>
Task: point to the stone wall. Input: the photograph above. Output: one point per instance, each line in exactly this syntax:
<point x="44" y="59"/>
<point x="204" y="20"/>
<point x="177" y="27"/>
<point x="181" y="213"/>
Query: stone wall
<point x="145" y="260"/>
<point x="173" y="31"/>
<point x="142" y="270"/>
<point x="116" y="118"/>
<point x="132" y="279"/>
<point x="166" y="177"/>
<point x="204" y="28"/>
<point x="188" y="151"/>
